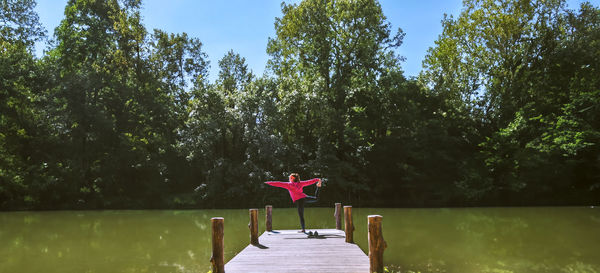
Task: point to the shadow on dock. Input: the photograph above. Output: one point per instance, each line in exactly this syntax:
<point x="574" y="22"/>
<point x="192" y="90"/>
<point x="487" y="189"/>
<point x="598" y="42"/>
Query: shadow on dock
<point x="261" y="246"/>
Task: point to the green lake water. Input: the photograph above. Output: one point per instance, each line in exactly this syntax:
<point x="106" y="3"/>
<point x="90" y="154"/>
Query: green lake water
<point x="546" y="239"/>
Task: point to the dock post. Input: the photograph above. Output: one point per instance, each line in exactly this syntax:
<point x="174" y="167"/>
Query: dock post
<point x="217" y="260"/>
<point x="253" y="225"/>
<point x="349" y="226"/>
<point x="376" y="243"/>
<point x="338" y="216"/>
<point x="269" y="218"/>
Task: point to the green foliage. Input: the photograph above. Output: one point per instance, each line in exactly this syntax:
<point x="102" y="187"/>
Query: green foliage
<point x="520" y="69"/>
<point x="329" y="58"/>
<point x="25" y="166"/>
<point x="19" y="24"/>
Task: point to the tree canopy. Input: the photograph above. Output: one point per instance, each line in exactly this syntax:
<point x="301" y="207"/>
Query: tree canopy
<point x="506" y="110"/>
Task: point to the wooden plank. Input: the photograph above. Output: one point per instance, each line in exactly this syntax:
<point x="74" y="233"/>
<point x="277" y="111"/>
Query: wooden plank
<point x="290" y="251"/>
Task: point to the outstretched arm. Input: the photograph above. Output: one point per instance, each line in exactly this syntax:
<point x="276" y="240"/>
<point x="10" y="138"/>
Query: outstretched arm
<point x="278" y="184"/>
<point x="309" y="182"/>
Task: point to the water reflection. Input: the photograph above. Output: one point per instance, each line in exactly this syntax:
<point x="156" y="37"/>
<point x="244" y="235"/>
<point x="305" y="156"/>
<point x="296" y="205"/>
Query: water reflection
<point x="491" y="239"/>
<point x="110" y="241"/>
<point x="425" y="240"/>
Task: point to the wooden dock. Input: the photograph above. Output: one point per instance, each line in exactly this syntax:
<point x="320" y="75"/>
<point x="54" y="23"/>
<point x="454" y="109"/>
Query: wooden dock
<point x="290" y="251"/>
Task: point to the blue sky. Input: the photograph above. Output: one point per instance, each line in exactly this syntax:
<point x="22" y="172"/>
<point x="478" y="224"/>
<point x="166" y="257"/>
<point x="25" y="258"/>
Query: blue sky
<point x="245" y="25"/>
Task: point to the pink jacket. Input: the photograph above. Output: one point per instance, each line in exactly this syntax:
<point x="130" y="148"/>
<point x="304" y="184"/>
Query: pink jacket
<point x="295" y="188"/>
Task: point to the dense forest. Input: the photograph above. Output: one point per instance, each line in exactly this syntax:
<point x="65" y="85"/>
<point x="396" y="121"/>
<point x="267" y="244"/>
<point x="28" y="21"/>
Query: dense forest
<point x="506" y="110"/>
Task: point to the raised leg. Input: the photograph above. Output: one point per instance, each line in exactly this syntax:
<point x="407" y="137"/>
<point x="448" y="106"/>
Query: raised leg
<point x="313" y="199"/>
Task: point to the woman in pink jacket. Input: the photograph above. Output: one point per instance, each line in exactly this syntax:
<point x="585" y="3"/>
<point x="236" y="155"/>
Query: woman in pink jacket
<point x="295" y="188"/>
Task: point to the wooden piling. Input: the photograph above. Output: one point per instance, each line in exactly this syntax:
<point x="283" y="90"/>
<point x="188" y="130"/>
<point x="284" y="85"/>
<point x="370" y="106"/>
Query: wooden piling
<point x="338" y="216"/>
<point x="269" y="218"/>
<point x="349" y="226"/>
<point x="376" y="243"/>
<point x="217" y="260"/>
<point x="253" y="226"/>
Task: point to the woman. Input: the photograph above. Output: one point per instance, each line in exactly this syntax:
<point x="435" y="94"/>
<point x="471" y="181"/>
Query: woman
<point x="295" y="188"/>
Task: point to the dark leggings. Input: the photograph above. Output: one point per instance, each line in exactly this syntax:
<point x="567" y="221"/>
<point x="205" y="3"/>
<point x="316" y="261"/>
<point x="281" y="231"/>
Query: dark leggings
<point x="300" y="203"/>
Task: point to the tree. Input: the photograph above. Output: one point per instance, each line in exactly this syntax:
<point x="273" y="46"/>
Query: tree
<point x="24" y="163"/>
<point x="219" y="123"/>
<point x="19" y="23"/>
<point x="124" y="102"/>
<point x="328" y="57"/>
<point x="507" y="70"/>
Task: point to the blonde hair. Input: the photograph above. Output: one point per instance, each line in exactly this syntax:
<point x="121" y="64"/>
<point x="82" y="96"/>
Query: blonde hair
<point x="294" y="177"/>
